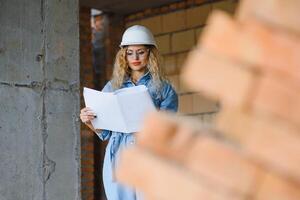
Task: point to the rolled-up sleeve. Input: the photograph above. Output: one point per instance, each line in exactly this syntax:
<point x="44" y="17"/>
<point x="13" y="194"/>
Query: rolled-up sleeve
<point x="105" y="134"/>
<point x="169" y="99"/>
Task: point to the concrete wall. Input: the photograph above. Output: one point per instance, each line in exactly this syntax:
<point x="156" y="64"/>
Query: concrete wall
<point x="39" y="100"/>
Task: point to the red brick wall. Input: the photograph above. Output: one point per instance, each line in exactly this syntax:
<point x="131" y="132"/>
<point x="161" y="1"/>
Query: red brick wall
<point x="91" y="147"/>
<point x="115" y="29"/>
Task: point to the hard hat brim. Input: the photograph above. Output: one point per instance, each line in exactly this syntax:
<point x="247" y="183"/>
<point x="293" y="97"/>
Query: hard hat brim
<point x="136" y="43"/>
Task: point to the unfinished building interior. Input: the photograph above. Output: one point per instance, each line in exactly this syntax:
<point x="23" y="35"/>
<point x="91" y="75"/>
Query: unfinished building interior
<point x="233" y="64"/>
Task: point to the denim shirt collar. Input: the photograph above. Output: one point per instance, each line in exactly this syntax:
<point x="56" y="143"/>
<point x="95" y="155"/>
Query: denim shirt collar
<point x="144" y="79"/>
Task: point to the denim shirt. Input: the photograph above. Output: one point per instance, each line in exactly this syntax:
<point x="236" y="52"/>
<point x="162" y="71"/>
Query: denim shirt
<point x="163" y="99"/>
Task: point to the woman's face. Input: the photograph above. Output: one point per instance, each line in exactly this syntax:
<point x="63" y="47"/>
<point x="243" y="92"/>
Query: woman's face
<point x="137" y="57"/>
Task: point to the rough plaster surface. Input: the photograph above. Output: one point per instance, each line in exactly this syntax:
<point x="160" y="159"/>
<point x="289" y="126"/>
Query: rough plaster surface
<point x="39" y="100"/>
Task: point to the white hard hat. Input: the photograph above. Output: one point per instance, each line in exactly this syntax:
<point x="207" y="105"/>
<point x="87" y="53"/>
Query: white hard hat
<point x="137" y="34"/>
<point x="95" y="12"/>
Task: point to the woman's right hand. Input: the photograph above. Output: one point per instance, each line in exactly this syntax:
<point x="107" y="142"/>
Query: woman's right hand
<point x="86" y="115"/>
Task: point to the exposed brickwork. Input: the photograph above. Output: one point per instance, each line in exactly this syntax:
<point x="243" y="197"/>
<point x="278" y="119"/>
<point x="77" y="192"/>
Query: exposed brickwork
<point x="114" y="32"/>
<point x="228" y="5"/>
<point x="91" y="155"/>
<point x="86" y="79"/>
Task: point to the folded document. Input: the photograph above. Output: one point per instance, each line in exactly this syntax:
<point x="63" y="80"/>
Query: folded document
<point x="122" y="110"/>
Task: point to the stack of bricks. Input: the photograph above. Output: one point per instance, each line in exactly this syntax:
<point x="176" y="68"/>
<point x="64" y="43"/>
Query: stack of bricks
<point x="176" y="28"/>
<point x="249" y="63"/>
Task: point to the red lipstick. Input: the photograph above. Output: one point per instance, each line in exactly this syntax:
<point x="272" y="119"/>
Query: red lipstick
<point x="136" y="63"/>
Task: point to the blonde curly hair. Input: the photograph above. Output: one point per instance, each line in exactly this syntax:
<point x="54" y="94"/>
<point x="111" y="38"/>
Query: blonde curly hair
<point x="122" y="69"/>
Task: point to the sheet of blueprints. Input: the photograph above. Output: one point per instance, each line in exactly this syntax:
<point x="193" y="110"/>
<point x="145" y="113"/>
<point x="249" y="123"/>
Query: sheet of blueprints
<point x="123" y="110"/>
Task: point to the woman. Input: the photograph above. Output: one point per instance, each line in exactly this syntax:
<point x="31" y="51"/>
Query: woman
<point x="137" y="63"/>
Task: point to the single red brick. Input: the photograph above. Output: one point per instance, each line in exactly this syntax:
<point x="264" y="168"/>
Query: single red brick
<point x="87" y="176"/>
<point x="162" y="135"/>
<point x="284" y="14"/>
<point x="88" y="184"/>
<point x="88" y="147"/>
<point x="214" y="160"/>
<point x="255" y="44"/>
<point x="88" y="161"/>
<point x="88" y="168"/>
<point x="162" y="179"/>
<point x="156" y="133"/>
<point x="274" y="143"/>
<point x="273" y="97"/>
<point x="218" y="78"/>
<point x="276" y="188"/>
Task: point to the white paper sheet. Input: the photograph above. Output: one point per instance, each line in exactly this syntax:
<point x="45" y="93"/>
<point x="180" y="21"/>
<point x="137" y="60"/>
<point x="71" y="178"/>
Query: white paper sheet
<point x="122" y="111"/>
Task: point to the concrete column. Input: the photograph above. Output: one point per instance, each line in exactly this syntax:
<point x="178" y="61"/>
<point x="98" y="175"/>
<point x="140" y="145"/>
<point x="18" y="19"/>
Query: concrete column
<point x="39" y="100"/>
